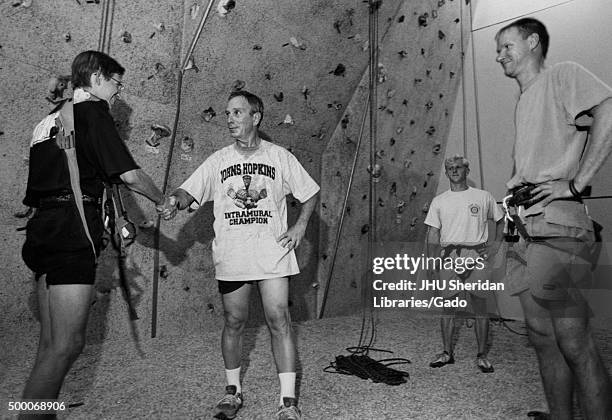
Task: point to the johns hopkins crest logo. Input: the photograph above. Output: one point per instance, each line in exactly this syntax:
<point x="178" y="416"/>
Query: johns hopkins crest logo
<point x="248" y="196"/>
<point x="474" y="210"/>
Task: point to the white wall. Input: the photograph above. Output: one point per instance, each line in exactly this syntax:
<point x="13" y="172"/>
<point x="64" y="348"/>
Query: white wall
<point x="580" y="31"/>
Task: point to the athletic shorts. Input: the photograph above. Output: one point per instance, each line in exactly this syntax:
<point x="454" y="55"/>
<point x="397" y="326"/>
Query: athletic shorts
<point x="226" y="287"/>
<point x="56" y="244"/>
<point x="472" y="276"/>
<point x="553" y="272"/>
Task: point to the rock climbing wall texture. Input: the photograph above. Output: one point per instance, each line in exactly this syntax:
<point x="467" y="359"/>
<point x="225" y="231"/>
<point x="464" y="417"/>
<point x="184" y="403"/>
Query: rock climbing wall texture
<point x="417" y="79"/>
<point x="305" y="59"/>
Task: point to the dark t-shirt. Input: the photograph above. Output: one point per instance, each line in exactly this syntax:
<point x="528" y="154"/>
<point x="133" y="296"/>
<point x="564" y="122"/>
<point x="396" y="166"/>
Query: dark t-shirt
<point x="101" y="154"/>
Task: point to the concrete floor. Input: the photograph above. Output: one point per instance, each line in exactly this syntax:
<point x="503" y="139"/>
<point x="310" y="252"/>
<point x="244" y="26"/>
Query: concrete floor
<point x="181" y="377"/>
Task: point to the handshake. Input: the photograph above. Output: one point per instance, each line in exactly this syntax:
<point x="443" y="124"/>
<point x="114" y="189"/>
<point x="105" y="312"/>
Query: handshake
<point x="168" y="208"/>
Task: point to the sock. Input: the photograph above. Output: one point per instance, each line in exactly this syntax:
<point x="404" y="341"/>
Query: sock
<point x="233" y="378"/>
<point x="287" y="383"/>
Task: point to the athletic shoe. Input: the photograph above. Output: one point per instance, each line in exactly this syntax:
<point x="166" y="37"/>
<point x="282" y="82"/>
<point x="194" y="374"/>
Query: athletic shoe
<point x="289" y="410"/>
<point x="443" y="359"/>
<point x="228" y="406"/>
<point x="483" y="363"/>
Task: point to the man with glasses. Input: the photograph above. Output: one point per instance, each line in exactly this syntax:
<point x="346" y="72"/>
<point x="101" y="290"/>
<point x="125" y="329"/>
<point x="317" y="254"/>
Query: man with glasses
<point x="59" y="248"/>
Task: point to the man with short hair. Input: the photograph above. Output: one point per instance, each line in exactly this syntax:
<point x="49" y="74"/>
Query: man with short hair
<point x="554" y="161"/>
<point x="248" y="182"/>
<point x="59" y="248"/>
<point x="458" y="229"/>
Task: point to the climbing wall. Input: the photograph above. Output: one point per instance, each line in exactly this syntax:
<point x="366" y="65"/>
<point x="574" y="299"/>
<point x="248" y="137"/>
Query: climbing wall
<point x="305" y="59"/>
<point x="417" y="79"/>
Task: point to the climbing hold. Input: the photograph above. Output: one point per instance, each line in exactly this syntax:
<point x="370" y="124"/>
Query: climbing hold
<point x="401" y="205"/>
<point x="376" y="172"/>
<point x="365" y="229"/>
<point x="434" y="14"/>
<point x="344" y="122"/>
<point x="238" y="85"/>
<point x="390" y="93"/>
<point x="163" y="271"/>
<point x="160" y="27"/>
<point x="391" y="141"/>
<point x="268" y="76"/>
<point x="422" y="51"/>
<point x="314" y="285"/>
<point x="305" y="92"/>
<point x="381" y="202"/>
<point x="431" y="130"/>
<point x="451" y="74"/>
<point x="159" y="67"/>
<point x="297" y="44"/>
<point x="437" y="148"/>
<point x="187" y="144"/>
<point x="429" y="105"/>
<point x="126" y="37"/>
<point x="393" y="189"/>
<point x="257" y="47"/>
<point x="337" y="24"/>
<point x="441" y="35"/>
<point x="225" y="6"/>
<point x="67" y="37"/>
<point x="428" y="73"/>
<point x="210" y="308"/>
<point x="339" y="70"/>
<point x="194" y="10"/>
<point x="354" y="284"/>
<point x="423" y="19"/>
<point x="399" y="130"/>
<point x="414" y="192"/>
<point x="208" y="114"/>
<point x="382" y="73"/>
<point x="400" y="19"/>
<point x="288" y="120"/>
<point x="405" y="102"/>
<point x="403" y="53"/>
<point x="426" y="208"/>
<point x="413" y="222"/>
<point x="440" y="66"/>
<point x="159" y="131"/>
<point x="407" y="163"/>
<point x="441" y="3"/>
<point x="56" y="87"/>
<point x="279" y="96"/>
<point x="191" y="65"/>
<point x="417" y="81"/>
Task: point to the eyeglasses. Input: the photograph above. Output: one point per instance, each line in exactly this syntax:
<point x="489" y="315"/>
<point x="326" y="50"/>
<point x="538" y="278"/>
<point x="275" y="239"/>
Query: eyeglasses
<point x="119" y="83"/>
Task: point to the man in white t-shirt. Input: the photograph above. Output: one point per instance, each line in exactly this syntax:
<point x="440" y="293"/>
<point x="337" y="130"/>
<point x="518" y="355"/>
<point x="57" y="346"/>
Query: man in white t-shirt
<point x="248" y="182"/>
<point x="458" y="229"/>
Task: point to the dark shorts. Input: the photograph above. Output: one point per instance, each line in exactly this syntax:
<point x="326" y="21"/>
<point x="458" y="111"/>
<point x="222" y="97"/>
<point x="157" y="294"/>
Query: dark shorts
<point x="226" y="287"/>
<point x="57" y="246"/>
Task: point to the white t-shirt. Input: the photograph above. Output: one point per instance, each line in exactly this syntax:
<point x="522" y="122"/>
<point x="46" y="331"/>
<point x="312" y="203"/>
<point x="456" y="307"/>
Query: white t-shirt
<point x="462" y="216"/>
<point x="250" y="208"/>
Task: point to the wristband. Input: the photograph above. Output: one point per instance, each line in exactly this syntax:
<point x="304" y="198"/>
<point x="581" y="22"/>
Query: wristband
<point x="573" y="190"/>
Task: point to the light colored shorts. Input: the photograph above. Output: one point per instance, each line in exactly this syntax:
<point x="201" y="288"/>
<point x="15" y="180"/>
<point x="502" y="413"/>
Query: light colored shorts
<point x="556" y="268"/>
